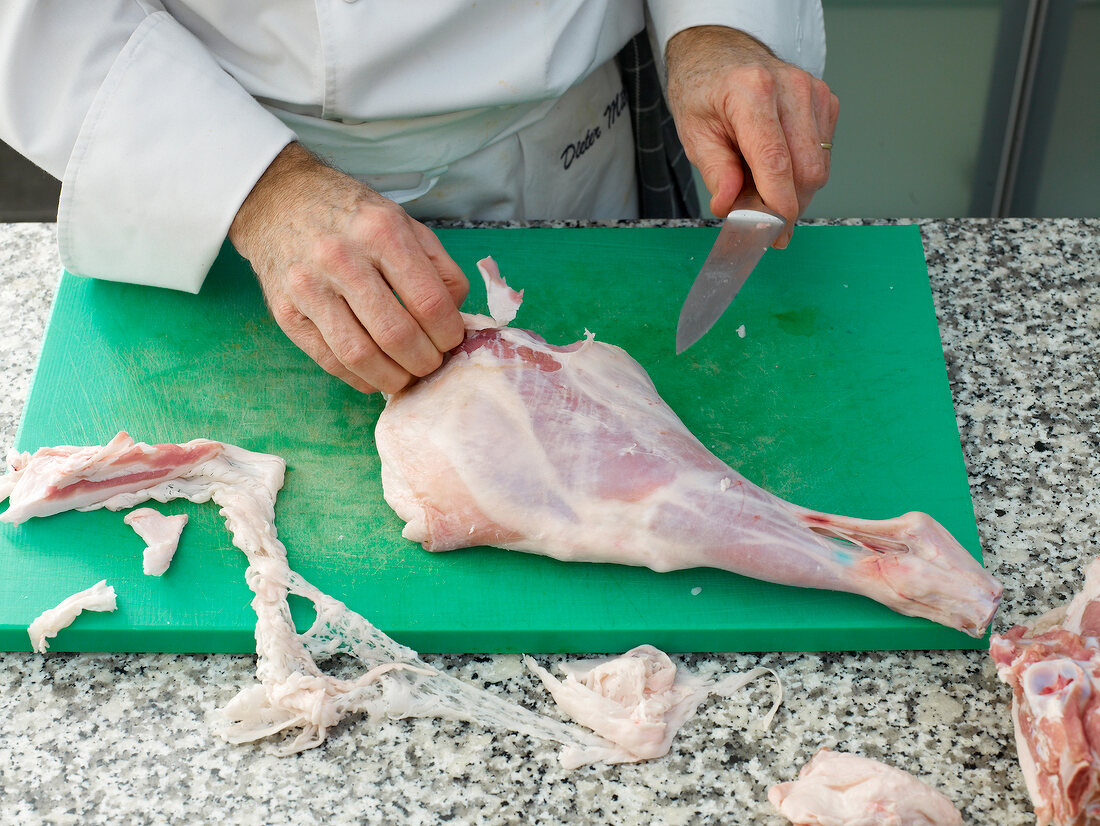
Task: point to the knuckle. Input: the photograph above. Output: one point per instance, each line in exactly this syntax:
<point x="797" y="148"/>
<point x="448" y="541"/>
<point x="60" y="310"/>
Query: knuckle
<point x="429" y="365"/>
<point x="357" y="356"/>
<point x="289" y="318"/>
<point x="814" y="175"/>
<point x="300" y="280"/>
<point x="394" y="334"/>
<point x="433" y="304"/>
<point x="384" y="225"/>
<point x="758" y="80"/>
<point x="333" y="254"/>
<point x="773" y="160"/>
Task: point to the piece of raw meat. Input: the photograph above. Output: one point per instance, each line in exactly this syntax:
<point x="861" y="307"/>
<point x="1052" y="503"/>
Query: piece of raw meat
<point x="292" y="692"/>
<point x="100" y="597"/>
<point x="838" y="789"/>
<point x="1053" y="667"/>
<point x="637" y="700"/>
<point x="569" y="452"/>
<point x="161" y="534"/>
<point x="79" y="478"/>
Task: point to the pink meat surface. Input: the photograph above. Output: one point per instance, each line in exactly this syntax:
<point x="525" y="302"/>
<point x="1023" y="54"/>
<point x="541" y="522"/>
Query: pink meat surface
<point x="56" y="479"/>
<point x="161" y="535"/>
<point x="837" y="789"/>
<point x="1054" y="670"/>
<point x="571" y="453"/>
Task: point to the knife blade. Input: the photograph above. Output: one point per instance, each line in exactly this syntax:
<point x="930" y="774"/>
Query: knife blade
<point x="746" y="234"/>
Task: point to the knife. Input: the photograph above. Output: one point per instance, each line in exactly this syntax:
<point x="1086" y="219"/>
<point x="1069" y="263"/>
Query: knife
<point x="746" y="234"/>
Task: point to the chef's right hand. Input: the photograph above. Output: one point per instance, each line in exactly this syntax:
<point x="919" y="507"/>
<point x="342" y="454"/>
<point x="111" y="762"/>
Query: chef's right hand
<point x="366" y="291"/>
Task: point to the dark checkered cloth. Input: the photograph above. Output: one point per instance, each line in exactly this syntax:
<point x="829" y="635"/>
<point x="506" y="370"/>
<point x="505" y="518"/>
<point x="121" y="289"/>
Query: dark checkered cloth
<point x="666" y="188"/>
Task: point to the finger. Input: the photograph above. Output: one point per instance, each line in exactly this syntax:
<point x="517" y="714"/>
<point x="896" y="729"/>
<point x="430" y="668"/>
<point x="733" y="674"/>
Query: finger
<point x="451" y="274"/>
<point x="359" y="352"/>
<point x="308" y="338"/>
<point x="762" y="142"/>
<point x="428" y="302"/>
<point x="374" y="336"/>
<point x="719" y="164"/>
<point x="801" y="122"/>
<point x="349" y="279"/>
<point x="830" y="105"/>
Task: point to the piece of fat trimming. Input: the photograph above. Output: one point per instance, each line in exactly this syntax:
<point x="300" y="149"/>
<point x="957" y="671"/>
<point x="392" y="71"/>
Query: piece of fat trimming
<point x="100" y="597"/>
<point x="161" y="534"/>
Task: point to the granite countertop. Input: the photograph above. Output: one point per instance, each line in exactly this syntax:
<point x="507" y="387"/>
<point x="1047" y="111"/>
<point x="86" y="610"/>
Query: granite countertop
<point x="127" y="737"/>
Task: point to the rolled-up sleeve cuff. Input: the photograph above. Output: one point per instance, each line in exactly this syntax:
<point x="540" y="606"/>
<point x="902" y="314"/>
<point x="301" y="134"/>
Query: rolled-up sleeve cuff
<point x="169" y="150"/>
<point x="793" y="29"/>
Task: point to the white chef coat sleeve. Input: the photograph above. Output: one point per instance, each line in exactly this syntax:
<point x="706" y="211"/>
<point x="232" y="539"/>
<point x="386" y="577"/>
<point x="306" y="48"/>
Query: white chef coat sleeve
<point x="793" y="29"/>
<point x="156" y="145"/>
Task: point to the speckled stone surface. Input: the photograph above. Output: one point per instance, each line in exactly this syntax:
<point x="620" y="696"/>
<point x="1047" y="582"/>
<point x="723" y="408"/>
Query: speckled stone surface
<point x="116" y="738"/>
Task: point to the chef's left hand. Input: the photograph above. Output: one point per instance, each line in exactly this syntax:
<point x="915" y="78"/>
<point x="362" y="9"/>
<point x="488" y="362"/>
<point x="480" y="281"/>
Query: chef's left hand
<point x="740" y="109"/>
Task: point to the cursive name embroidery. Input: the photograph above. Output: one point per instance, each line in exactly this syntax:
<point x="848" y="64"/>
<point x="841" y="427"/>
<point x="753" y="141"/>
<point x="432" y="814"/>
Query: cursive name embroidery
<point x="592" y="134"/>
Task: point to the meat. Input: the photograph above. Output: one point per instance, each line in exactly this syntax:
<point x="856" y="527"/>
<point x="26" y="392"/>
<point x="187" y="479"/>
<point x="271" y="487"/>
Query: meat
<point x="1053" y="667"/>
<point x="568" y="451"/>
<point x="80" y="478"/>
<point x="837" y="789"/>
<point x="100" y="597"/>
<point x="638" y="701"/>
<point x="161" y="534"/>
<point x="292" y="693"/>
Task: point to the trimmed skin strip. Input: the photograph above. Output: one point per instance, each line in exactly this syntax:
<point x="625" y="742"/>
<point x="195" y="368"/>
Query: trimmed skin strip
<point x="570" y="452"/>
<point x="100" y="597"/>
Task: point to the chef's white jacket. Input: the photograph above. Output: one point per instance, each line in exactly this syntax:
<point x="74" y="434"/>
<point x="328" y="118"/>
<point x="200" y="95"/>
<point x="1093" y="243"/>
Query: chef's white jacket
<point x="158" y="117"/>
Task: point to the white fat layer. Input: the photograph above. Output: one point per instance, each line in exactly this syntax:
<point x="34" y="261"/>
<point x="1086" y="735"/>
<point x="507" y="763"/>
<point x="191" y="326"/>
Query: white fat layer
<point x="161" y="535"/>
<point x="100" y="597"/>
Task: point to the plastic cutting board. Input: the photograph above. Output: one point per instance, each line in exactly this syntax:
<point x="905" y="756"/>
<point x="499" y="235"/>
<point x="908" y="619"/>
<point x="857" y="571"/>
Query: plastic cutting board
<point x="824" y="382"/>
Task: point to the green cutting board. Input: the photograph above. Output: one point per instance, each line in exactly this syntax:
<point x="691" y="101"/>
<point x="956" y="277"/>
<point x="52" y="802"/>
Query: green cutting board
<point x="835" y="397"/>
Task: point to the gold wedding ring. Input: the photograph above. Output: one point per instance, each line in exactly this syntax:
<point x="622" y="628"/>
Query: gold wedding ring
<point x="826" y="145"/>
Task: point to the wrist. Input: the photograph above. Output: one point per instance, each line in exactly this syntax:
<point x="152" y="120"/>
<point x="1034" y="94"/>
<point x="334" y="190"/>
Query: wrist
<point x="285" y="174"/>
<point x="700" y="41"/>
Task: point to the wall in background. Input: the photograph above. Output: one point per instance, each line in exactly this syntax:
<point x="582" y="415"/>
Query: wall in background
<point x="913" y="80"/>
<point x="1069" y="174"/>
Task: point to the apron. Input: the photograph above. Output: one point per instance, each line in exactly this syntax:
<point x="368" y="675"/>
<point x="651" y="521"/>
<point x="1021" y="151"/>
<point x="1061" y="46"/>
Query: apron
<point x="575" y="162"/>
<point x="569" y="158"/>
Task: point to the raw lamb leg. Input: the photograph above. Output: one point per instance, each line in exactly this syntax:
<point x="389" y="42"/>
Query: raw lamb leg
<point x="570" y="452"/>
